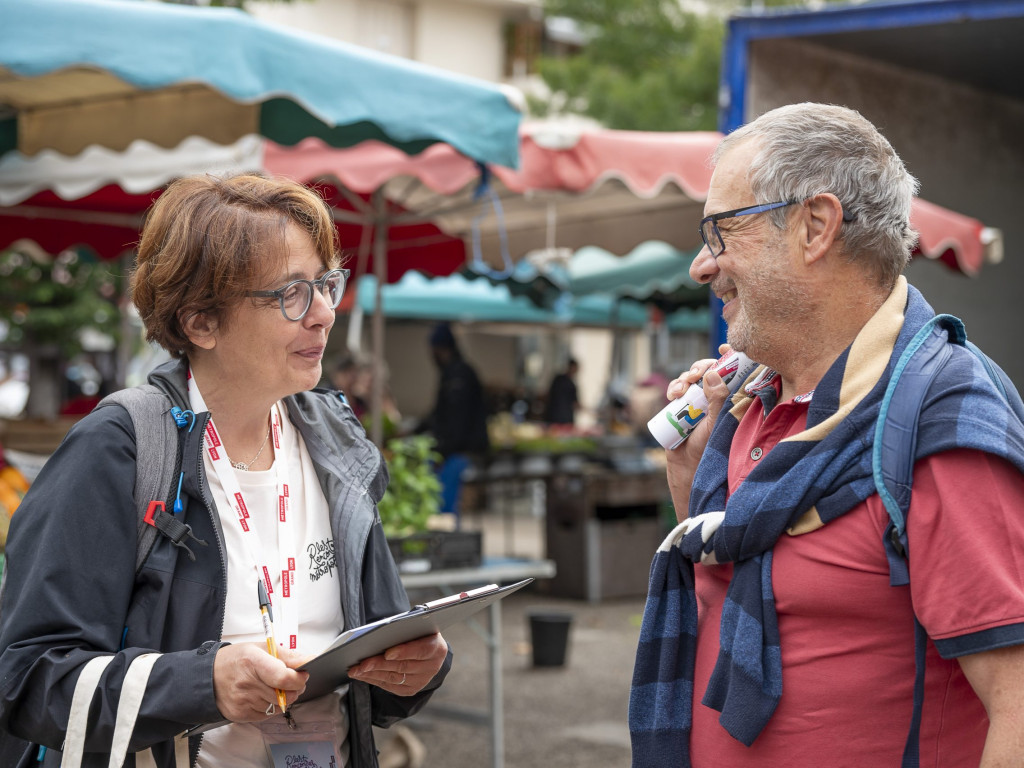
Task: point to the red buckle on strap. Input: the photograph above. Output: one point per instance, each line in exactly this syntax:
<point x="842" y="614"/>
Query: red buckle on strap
<point x="151" y="511"/>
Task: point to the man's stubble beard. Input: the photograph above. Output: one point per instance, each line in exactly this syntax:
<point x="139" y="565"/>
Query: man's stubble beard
<point x="772" y="306"/>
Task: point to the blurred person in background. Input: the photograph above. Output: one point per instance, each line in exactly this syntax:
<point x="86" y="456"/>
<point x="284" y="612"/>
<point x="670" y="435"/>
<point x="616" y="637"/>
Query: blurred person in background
<point x="563" y="400"/>
<point x="459" y="419"/>
<point x="238" y="278"/>
<point x="350" y="376"/>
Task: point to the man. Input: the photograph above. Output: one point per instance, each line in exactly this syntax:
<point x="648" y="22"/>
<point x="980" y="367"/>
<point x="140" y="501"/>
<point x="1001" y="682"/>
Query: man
<point x="562" y="397"/>
<point x="459" y="419"/>
<point x="787" y="646"/>
<point x="351" y="376"/>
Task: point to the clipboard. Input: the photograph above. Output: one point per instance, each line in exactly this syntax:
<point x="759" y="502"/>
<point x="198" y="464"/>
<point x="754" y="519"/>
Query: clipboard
<point x="329" y="669"/>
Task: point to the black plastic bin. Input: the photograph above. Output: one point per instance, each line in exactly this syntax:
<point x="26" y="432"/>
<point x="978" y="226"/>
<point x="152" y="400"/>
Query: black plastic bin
<point x="549" y="634"/>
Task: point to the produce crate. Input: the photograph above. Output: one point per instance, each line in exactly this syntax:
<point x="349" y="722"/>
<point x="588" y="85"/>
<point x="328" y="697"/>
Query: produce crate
<point x="437" y="550"/>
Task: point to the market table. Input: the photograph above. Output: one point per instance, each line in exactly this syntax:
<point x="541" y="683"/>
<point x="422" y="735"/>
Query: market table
<point x="492" y="571"/>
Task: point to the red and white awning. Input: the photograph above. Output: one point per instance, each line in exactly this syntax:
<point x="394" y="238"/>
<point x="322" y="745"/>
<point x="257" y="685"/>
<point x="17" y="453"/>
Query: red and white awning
<point x="575" y="188"/>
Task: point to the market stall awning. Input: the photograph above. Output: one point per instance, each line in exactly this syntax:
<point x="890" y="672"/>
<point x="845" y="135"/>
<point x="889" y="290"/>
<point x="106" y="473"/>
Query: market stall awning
<point x="653" y="273"/>
<point x="460" y="299"/>
<point x="96" y="201"/>
<point x="615" y="195"/>
<point x="574" y="187"/>
<point x="960" y="242"/>
<point x="140" y="169"/>
<point x="74" y="73"/>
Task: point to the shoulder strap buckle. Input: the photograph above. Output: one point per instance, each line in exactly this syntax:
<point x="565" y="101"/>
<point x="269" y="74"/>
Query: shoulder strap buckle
<point x="171" y="527"/>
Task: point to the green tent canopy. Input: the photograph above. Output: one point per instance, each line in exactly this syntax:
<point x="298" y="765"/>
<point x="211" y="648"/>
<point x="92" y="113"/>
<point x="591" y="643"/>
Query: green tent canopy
<point x="459" y="298"/>
<point x="653" y="273"/>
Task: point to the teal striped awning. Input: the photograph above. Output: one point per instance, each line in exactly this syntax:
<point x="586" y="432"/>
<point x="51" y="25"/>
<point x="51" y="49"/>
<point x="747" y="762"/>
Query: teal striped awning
<point x="459" y="298"/>
<point x="654" y="273"/>
<point x="74" y="73"/>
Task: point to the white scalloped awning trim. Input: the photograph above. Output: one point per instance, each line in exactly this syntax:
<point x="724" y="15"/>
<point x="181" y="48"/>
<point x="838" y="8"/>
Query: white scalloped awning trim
<point x="141" y="168"/>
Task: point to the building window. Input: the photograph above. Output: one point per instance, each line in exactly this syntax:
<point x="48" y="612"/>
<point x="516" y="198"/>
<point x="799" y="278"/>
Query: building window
<point x="386" y="26"/>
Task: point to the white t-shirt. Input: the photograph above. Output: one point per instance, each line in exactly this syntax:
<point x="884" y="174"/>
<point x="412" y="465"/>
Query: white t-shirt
<point x="317" y="590"/>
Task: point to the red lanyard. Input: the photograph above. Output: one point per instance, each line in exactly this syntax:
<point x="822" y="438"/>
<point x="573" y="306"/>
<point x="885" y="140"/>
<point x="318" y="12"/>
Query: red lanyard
<point x="282" y="433"/>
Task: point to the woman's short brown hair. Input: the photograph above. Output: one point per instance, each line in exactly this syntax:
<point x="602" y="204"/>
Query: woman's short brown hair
<point x="208" y="240"/>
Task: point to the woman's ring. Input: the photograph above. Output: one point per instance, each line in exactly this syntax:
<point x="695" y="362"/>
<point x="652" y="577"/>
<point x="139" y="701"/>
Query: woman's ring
<point x="402" y="681"/>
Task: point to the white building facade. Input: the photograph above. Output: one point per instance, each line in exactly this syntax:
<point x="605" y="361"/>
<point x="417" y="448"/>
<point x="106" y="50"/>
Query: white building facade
<point x="471" y="37"/>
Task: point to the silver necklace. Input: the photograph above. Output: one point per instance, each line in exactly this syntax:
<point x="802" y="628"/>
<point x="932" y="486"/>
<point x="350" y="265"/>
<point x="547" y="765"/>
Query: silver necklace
<point x="244" y="465"/>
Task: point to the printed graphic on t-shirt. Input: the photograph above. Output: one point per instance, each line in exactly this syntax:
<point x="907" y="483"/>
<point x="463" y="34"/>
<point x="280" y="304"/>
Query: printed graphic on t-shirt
<point x="321" y="559"/>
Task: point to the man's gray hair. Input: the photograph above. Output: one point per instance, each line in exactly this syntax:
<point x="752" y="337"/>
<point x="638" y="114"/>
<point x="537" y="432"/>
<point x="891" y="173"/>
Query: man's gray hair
<point x="808" y="149"/>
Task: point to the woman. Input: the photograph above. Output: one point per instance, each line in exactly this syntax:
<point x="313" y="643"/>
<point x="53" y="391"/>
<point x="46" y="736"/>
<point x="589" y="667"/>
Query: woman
<point x="238" y="278"/>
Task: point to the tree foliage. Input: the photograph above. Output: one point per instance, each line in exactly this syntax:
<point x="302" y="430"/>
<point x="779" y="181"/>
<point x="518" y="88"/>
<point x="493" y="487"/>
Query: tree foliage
<point x="49" y="301"/>
<point x="647" y="65"/>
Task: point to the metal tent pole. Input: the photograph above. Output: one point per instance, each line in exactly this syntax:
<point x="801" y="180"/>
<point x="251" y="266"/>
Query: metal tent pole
<point x="380" y="271"/>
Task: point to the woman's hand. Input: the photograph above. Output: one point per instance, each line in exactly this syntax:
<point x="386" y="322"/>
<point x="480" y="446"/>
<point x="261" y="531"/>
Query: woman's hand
<point x="403" y="669"/>
<point x="246" y="679"/>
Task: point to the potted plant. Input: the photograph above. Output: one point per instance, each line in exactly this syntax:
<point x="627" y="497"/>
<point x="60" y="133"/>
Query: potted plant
<point x="414" y="492"/>
<point x="411" y="502"/>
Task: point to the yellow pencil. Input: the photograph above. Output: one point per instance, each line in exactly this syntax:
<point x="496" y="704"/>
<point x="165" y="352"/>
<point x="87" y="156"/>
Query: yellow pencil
<point x="268" y="631"/>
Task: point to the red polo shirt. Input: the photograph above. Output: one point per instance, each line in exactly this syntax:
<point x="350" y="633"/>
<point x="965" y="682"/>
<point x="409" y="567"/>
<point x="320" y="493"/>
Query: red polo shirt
<point x="847" y="637"/>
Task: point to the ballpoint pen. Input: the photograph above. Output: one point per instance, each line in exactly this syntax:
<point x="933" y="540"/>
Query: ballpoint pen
<point x="268" y="630"/>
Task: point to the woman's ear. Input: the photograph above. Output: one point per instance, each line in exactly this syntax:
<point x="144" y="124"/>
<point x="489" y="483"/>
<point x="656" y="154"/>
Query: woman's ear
<point x="200" y="328"/>
<point x="823" y="220"/>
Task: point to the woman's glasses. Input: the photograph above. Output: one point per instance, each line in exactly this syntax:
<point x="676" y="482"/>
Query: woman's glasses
<point x="297" y="297"/>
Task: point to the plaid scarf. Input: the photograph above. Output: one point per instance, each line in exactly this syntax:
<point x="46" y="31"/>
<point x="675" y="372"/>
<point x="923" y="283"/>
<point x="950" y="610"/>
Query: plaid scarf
<point x="804" y="482"/>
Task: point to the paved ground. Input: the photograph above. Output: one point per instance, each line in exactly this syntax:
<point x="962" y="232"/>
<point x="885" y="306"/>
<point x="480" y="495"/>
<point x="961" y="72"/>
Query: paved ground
<point x="556" y="717"/>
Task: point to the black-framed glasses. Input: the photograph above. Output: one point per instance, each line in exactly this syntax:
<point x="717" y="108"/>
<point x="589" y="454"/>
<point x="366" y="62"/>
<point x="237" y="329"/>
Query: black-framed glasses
<point x="297" y="297"/>
<point x="712" y="237"/>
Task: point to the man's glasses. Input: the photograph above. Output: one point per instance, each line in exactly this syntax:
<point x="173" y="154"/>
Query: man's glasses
<point x="297" y="297"/>
<point x="709" y="224"/>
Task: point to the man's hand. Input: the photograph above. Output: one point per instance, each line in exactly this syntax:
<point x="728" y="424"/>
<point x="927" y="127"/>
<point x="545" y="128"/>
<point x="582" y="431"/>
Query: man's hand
<point x="682" y="462"/>
<point x="246" y="678"/>
<point x="404" y="669"/>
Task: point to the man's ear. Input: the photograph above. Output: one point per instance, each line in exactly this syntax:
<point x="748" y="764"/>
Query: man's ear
<point x="200" y="328"/>
<point x="822" y="217"/>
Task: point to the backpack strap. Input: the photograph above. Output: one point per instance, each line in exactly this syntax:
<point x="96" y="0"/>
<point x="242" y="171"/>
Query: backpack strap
<point x="895" y="443"/>
<point x="158" y="462"/>
<point x="892" y="463"/>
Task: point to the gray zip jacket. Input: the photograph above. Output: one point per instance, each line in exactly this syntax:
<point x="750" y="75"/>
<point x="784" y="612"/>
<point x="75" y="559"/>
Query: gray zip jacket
<point x="71" y="593"/>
